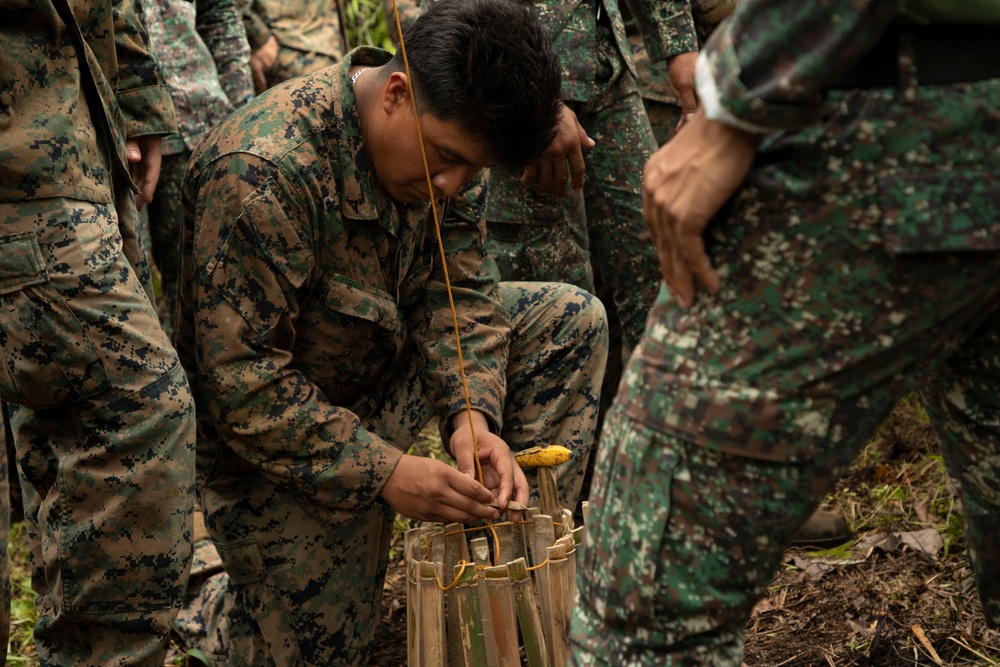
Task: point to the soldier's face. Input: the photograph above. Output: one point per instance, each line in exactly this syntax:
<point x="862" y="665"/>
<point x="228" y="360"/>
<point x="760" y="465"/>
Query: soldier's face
<point x="453" y="158"/>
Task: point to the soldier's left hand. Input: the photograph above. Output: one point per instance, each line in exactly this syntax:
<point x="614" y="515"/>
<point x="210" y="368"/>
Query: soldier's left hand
<point x="144" y="159"/>
<point x="501" y="474"/>
<point x="685" y="183"/>
<point x="549" y="175"/>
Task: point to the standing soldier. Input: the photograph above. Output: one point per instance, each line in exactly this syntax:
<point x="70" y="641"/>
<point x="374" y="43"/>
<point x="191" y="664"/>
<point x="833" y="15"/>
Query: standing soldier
<point x="202" y="49"/>
<point x="836" y="194"/>
<point x="99" y="408"/>
<point x="289" y="38"/>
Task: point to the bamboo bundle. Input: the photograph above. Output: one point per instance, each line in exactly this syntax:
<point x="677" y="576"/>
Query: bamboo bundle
<point x="492" y="608"/>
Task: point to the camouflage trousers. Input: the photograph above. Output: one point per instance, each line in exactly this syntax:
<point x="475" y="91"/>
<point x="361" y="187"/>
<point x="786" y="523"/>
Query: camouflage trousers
<point x="850" y="277"/>
<point x="166" y="215"/>
<point x="538" y="238"/>
<point x="663" y="118"/>
<point x="301" y="588"/>
<point x="291" y="63"/>
<point x="103" y="427"/>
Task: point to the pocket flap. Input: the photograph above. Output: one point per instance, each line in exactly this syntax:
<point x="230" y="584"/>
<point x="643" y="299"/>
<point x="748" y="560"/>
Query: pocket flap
<point x="21" y="262"/>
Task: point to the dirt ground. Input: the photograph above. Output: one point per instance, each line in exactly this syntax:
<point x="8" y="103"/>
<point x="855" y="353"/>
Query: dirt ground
<point x="900" y="593"/>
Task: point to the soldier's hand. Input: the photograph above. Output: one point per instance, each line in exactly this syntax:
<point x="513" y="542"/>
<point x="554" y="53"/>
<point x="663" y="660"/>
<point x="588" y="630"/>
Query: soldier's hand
<point x="549" y="175"/>
<point x="501" y="474"/>
<point x="144" y="159"/>
<point x="429" y="490"/>
<point x="262" y="60"/>
<point x="685" y="183"/>
<point x="681" y="72"/>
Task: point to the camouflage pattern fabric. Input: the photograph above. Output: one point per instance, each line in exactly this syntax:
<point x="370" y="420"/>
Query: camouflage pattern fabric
<point x="166" y="217"/>
<point x="101" y="414"/>
<point x="860" y="260"/>
<point x="203" y="52"/>
<point x="307" y="29"/>
<point x="292" y="63"/>
<point x="660" y="98"/>
<point x="538" y="238"/>
<point x="204" y="55"/>
<point x="109" y="409"/>
<point x="319" y="336"/>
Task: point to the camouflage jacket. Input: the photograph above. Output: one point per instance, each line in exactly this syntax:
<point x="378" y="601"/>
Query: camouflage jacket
<point x="680" y="26"/>
<point x="304" y="286"/>
<point x="306" y="25"/>
<point x="50" y="138"/>
<point x="202" y="49"/>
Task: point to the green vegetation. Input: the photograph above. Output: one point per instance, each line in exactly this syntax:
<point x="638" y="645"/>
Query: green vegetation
<point x="366" y="24"/>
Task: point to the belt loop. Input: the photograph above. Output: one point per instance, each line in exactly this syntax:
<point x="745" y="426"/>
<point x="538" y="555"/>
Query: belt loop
<point x="907" y="62"/>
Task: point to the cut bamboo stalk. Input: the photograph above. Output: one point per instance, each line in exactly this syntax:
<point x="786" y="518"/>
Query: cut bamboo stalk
<point x="412" y="609"/>
<point x="569" y="542"/>
<point x="432" y="650"/>
<point x="500" y="603"/>
<point x="541" y="540"/>
<point x="548" y="493"/>
<point x="585" y="510"/>
<point x="529" y="532"/>
<point x="455" y="550"/>
<point x="559" y="594"/>
<point x="527" y="614"/>
<point x="481" y="557"/>
<point x="470" y="634"/>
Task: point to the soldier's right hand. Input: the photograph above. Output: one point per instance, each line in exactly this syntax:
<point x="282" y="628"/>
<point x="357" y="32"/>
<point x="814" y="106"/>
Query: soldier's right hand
<point x="429" y="490"/>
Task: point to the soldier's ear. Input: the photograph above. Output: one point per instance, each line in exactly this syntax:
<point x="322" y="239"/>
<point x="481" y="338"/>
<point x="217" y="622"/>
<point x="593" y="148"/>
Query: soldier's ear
<point x="396" y="93"/>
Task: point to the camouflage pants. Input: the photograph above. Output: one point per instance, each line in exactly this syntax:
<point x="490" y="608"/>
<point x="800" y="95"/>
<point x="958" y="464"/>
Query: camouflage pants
<point x="537" y="238"/>
<point x="301" y="588"/>
<point x="291" y="63"/>
<point x="663" y="118"/>
<point x="103" y="428"/>
<point x="166" y="216"/>
<point x="844" y="287"/>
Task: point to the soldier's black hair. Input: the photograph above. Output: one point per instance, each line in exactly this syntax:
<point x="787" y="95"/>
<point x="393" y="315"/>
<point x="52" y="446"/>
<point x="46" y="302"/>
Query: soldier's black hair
<point x="488" y="66"/>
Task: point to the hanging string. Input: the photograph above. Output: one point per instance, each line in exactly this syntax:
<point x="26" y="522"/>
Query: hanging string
<point x="444" y="263"/>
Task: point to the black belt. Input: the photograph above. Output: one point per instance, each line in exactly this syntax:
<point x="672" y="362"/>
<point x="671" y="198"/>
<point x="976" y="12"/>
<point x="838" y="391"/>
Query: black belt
<point x="943" y="54"/>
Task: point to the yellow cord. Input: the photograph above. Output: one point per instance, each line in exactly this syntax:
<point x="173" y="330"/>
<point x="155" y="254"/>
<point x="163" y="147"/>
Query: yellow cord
<point x="437" y="229"/>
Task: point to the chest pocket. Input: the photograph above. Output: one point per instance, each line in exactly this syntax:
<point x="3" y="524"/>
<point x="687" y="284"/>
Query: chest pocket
<point x="350" y="339"/>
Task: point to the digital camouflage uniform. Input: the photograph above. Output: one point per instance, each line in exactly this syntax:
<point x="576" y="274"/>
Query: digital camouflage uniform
<point x="202" y="50"/>
<point x="539" y="238"/>
<point x="100" y="411"/>
<point x="316" y="326"/>
<point x="308" y="33"/>
<point x="859" y="261"/>
<point x="659" y="97"/>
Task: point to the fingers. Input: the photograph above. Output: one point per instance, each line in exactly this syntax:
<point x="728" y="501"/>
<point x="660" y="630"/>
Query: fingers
<point x="259" y="79"/>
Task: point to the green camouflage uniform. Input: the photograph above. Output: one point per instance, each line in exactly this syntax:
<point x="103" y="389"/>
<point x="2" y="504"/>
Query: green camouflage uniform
<point x="316" y="327"/>
<point x="202" y="50"/>
<point x="539" y="238"/>
<point x="659" y="97"/>
<point x="100" y="411"/>
<point x="859" y="261"/>
<point x="308" y="33"/>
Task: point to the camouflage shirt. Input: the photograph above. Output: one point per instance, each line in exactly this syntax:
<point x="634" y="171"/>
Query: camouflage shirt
<point x="762" y="84"/>
<point x="304" y="285"/>
<point x="306" y="25"/>
<point x="202" y="48"/>
<point x="49" y="71"/>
